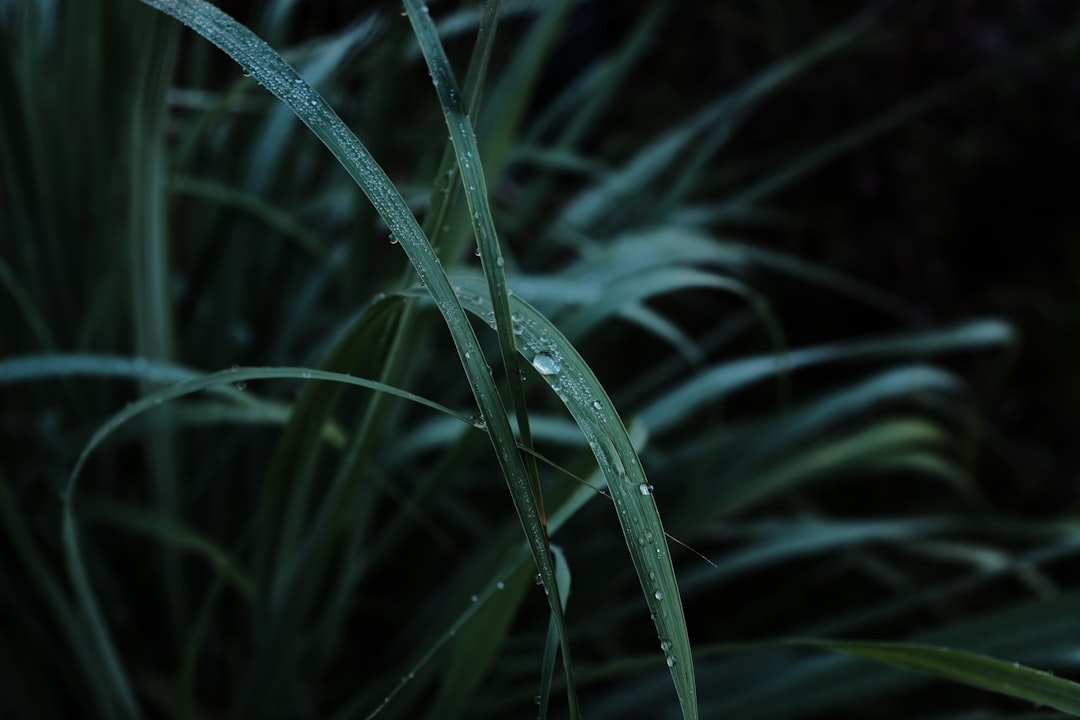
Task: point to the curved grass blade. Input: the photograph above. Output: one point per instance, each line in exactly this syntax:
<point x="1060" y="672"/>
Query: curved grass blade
<point x="965" y="667"/>
<point x="833" y="457"/>
<point x="641" y="287"/>
<point x="560" y="365"/>
<point x="243" y="408"/>
<point x="472" y="177"/>
<point x="267" y="67"/>
<point x="636" y="250"/>
<point x="52" y="366"/>
<point x="239" y="375"/>
<point x="676" y="405"/>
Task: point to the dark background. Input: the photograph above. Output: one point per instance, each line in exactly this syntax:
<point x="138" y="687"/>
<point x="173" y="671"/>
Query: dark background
<point x="969" y="208"/>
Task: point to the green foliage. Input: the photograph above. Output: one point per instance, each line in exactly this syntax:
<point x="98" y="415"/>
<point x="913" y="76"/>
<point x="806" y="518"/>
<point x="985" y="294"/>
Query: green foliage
<point x="280" y="447"/>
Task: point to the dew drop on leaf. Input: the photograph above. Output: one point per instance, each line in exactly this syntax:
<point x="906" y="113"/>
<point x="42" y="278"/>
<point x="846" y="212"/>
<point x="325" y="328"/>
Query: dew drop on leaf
<point x="546" y="363"/>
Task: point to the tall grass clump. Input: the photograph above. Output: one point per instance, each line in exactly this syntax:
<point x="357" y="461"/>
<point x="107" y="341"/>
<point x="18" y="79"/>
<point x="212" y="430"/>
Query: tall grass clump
<point x="288" y="315"/>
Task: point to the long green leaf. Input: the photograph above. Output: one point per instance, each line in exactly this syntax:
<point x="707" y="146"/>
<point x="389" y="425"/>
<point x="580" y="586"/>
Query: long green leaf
<point x="966" y="667"/>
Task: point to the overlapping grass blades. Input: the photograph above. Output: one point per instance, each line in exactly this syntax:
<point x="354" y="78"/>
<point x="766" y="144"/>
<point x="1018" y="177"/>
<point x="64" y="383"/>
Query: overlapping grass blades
<point x="269" y="69"/>
<point x="560" y="365"/>
<point x="469" y="166"/>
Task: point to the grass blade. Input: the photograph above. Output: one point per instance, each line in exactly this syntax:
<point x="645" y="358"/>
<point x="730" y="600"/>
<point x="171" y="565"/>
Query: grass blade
<point x="969" y="668"/>
<point x="725" y="378"/>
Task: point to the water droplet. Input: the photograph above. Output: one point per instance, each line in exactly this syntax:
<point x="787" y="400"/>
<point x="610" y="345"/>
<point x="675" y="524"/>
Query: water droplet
<point x="241" y="386"/>
<point x="539" y="579"/>
<point x="645" y="489"/>
<point x="658" y="595"/>
<point x="665" y="645"/>
<point x="477" y="253"/>
<point x="596" y="405"/>
<point x="546" y="363"/>
<point x="500" y="585"/>
<point x="536" y="699"/>
<point x="475" y="598"/>
<point x="499" y="261"/>
<point x="393" y="239"/>
<point x="306" y="374"/>
<point x="671" y="661"/>
<point x="468" y="354"/>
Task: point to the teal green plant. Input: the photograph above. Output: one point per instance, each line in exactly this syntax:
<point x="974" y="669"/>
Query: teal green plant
<point x="211" y="336"/>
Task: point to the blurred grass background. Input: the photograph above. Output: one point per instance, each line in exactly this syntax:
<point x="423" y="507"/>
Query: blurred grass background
<point x="819" y="257"/>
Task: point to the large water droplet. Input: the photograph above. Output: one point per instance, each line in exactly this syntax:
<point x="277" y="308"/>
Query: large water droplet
<point x="645" y="489"/>
<point x="546" y="363"/>
<point x="671" y="661"/>
<point x="665" y="645"/>
<point x="658" y="595"/>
